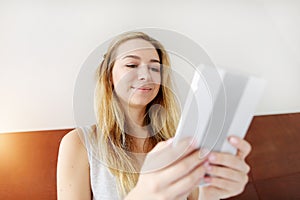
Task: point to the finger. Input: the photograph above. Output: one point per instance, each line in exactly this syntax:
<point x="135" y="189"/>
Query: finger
<point x="181" y="168"/>
<point x="228" y="160"/>
<point x="184" y="185"/>
<point x="161" y="145"/>
<point x="226" y="173"/>
<point x="159" y="159"/>
<point x="229" y="187"/>
<point x="242" y="146"/>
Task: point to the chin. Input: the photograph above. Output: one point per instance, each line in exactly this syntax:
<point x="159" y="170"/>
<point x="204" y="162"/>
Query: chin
<point x="139" y="103"/>
<point x="141" y="100"/>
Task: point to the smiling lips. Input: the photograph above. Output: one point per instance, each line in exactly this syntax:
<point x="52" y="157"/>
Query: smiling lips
<point x="142" y="89"/>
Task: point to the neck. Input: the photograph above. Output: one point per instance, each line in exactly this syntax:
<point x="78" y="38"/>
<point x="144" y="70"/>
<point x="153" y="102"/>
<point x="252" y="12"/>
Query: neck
<point x="135" y="127"/>
<point x="134" y="116"/>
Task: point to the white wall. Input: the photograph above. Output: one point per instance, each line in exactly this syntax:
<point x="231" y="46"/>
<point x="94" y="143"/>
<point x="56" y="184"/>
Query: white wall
<point x="44" y="43"/>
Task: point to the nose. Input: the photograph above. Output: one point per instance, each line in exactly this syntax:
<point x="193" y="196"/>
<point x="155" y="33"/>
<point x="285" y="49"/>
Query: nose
<point x="143" y="73"/>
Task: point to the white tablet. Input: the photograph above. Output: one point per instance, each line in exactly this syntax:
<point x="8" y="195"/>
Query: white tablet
<point x="219" y="104"/>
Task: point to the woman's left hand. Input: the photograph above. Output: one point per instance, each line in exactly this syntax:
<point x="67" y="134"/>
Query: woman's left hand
<point x="229" y="173"/>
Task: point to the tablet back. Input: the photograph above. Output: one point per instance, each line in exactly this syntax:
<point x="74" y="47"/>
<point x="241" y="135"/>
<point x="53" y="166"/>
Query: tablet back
<point x="219" y="103"/>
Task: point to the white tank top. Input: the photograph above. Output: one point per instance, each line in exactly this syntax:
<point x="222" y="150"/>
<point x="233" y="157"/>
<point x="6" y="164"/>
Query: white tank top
<point x="103" y="183"/>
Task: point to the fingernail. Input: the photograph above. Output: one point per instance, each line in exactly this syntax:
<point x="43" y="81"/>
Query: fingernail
<point x="212" y="157"/>
<point x="233" y="140"/>
<point x="207" y="166"/>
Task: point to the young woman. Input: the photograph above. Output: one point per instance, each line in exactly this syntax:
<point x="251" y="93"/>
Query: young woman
<point x="129" y="154"/>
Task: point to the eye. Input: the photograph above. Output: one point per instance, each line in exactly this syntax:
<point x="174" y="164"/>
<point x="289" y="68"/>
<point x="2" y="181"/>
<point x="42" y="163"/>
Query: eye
<point x="131" y="65"/>
<point x="155" y="68"/>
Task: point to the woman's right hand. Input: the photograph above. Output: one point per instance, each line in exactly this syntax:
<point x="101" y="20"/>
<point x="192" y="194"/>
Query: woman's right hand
<point x="169" y="172"/>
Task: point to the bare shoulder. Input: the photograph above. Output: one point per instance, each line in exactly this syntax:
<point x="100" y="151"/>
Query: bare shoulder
<point x="72" y="147"/>
<point x="72" y="139"/>
<point x="73" y="168"/>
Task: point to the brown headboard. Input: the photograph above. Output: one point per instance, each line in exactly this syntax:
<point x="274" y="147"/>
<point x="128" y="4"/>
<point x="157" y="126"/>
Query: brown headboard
<point x="28" y="164"/>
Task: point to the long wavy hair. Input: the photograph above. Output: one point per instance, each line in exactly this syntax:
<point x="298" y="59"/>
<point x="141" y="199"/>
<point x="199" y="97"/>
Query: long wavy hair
<point x="114" y="146"/>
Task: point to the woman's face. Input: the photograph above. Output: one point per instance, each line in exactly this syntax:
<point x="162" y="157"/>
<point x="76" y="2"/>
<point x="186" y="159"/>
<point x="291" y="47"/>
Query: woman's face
<point x="136" y="72"/>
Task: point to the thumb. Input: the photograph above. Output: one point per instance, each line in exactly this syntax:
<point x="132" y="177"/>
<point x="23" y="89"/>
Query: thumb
<point x="161" y="145"/>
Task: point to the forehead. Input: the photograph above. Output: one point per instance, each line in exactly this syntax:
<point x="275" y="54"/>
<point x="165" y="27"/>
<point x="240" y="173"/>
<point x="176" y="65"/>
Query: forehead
<point x="136" y="46"/>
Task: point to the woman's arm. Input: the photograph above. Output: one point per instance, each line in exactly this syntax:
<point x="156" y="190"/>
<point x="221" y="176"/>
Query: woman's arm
<point x="73" y="180"/>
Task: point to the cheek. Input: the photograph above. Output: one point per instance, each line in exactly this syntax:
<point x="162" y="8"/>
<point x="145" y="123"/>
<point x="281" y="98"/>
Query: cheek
<point x="120" y="77"/>
<point x="116" y="76"/>
<point x="156" y="78"/>
<point x="122" y="81"/>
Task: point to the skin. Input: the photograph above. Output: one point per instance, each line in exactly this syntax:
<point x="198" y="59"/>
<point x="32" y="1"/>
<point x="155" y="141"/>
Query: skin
<point x="229" y="171"/>
<point x="168" y="172"/>
<point x="136" y="79"/>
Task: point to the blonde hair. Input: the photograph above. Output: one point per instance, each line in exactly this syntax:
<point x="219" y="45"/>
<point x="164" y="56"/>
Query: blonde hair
<point x="110" y="136"/>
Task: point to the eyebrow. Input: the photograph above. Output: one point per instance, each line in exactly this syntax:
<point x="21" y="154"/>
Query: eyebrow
<point x="137" y="57"/>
